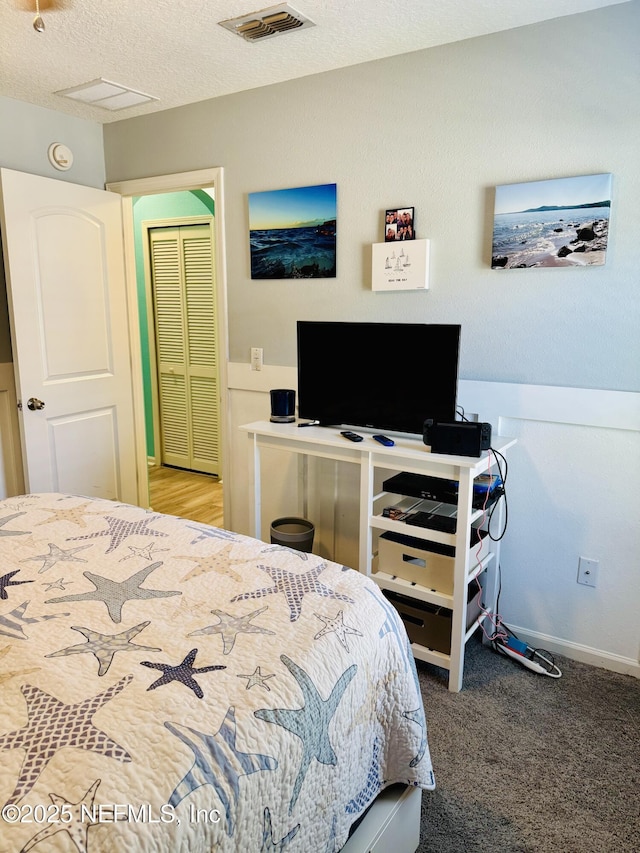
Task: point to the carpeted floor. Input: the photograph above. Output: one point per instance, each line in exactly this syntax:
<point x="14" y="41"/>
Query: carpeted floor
<point x="530" y="764"/>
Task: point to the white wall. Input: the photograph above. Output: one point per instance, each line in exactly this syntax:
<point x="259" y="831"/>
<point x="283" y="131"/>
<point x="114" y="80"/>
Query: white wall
<point x="571" y="490"/>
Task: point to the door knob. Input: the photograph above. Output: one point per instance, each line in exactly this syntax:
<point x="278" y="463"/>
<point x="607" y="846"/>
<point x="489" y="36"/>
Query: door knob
<point x="34" y="404"/>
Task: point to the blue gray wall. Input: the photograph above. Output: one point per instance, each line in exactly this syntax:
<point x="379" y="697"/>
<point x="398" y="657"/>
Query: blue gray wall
<point x="438" y="130"/>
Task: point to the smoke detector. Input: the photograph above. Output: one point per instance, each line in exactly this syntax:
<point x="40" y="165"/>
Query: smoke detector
<point x="267" y="23"/>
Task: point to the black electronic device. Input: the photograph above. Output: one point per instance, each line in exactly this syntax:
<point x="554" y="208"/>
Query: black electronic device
<point x="444" y="491"/>
<point x="459" y="438"/>
<point x="352" y="436"/>
<point x="432" y="521"/>
<point x="388" y="377"/>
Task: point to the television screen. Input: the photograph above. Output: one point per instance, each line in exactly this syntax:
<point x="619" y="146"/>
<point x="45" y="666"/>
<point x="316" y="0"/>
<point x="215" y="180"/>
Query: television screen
<point x="386" y="376"/>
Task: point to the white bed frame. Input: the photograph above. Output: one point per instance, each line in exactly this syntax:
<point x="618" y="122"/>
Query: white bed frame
<point x="391" y="823"/>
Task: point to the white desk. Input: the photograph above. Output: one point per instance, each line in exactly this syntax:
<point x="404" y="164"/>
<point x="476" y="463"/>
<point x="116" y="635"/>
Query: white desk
<point x="408" y="454"/>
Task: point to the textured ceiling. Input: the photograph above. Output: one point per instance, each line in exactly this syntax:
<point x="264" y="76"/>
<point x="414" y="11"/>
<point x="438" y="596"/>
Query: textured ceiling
<point x="176" y="51"/>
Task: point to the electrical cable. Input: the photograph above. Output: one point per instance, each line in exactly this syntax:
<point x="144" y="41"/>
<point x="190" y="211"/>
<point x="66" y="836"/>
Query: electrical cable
<point x="503" y="639"/>
<point x="503" y="476"/>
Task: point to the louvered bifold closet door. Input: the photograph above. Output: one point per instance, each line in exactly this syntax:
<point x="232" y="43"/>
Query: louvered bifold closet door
<point x="202" y="368"/>
<point x="184" y="308"/>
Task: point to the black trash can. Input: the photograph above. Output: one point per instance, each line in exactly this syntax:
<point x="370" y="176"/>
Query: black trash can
<point x="293" y="532"/>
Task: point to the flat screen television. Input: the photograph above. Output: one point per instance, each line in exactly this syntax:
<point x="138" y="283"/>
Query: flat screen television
<point x="384" y="376"/>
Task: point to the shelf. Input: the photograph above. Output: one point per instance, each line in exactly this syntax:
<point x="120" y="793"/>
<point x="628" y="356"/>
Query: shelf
<point x="390" y="524"/>
<point x="412" y="456"/>
<point x="479" y="568"/>
<point x="396" y="584"/>
<point x="476" y="624"/>
<point x="423" y="593"/>
<point x="431" y="656"/>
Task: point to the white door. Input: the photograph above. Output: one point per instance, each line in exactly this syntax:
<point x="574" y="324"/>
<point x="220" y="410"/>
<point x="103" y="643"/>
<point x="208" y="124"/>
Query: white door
<point x="64" y="264"/>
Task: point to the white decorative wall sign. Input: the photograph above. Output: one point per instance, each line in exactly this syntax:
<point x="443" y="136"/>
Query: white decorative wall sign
<point x="400" y="265"/>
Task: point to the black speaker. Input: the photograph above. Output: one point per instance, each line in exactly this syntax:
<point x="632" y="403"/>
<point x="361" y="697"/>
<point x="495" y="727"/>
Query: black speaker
<point x="458" y="438"/>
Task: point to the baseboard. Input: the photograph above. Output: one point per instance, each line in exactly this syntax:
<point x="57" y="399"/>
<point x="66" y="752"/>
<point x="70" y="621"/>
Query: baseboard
<point x="575" y="651"/>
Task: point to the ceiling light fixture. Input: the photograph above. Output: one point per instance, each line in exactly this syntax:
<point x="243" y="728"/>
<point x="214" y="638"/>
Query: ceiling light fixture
<point x="38" y="23"/>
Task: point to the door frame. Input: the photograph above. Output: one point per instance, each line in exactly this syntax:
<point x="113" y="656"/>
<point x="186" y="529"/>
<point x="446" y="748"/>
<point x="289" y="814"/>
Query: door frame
<point x="177" y="182"/>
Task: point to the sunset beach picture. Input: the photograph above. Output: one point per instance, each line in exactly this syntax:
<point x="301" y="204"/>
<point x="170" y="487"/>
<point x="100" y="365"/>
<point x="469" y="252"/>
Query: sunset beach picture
<point x="292" y="233"/>
<point x="557" y="223"/>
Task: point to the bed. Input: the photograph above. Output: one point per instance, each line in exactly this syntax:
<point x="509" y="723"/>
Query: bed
<point x="169" y="686"/>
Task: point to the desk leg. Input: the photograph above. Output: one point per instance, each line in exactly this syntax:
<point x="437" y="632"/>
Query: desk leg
<point x="254" y="474"/>
<point x="366" y="501"/>
<point x="460" y="586"/>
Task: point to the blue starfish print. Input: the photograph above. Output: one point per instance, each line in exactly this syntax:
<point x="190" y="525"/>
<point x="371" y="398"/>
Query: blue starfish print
<point x="77" y="825"/>
<point x="372" y="786"/>
<point x="311" y="722"/>
<point x="53" y="725"/>
<point x="120" y="529"/>
<point x="337" y="627"/>
<point x="294" y="586"/>
<point x="269" y="845"/>
<point x="393" y="625"/>
<point x="218" y="763"/>
<point x="57" y="555"/>
<point x="230" y="626"/>
<point x="6" y="520"/>
<point x="6" y="581"/>
<point x="418" y="717"/>
<point x="104" y="646"/>
<point x="211" y="533"/>
<point x="11" y="624"/>
<point x="182" y="672"/>
<point x="274" y="548"/>
<point x="116" y="593"/>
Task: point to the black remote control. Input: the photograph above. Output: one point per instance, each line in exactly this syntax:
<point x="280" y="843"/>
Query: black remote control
<point x="352" y="436"/>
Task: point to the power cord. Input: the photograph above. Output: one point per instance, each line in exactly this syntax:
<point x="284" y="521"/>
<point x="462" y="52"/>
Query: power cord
<point x="503" y="639"/>
<point x="503" y="473"/>
<point x="507" y="643"/>
<point x="538" y="660"/>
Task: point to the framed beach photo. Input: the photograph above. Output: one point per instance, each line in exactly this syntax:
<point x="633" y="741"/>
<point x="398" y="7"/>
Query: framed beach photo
<point x="399" y="224"/>
<point x="292" y="233"/>
<point x="557" y="223"/>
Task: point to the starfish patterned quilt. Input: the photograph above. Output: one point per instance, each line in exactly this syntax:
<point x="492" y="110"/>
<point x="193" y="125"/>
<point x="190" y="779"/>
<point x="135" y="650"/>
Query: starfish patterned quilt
<point x="169" y="686"/>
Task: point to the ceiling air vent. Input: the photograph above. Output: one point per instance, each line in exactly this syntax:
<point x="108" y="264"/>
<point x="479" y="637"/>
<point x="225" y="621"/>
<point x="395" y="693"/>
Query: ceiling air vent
<point x="273" y="21"/>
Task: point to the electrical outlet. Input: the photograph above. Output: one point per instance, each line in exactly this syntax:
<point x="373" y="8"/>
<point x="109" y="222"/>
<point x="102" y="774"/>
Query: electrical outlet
<point x="588" y="571"/>
<point x="256" y="358"/>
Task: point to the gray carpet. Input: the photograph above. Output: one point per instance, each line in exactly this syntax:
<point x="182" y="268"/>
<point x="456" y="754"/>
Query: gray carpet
<point x="530" y="764"/>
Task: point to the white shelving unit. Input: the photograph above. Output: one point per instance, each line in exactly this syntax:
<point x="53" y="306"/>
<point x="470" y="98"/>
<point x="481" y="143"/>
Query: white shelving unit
<point x="377" y="463"/>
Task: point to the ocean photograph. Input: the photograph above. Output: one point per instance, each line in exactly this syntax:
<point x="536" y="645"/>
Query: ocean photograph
<point x="292" y="233"/>
<point x="556" y="223"/>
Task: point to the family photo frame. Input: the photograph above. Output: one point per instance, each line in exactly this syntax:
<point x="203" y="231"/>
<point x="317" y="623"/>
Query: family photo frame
<point x="399" y="224"/>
